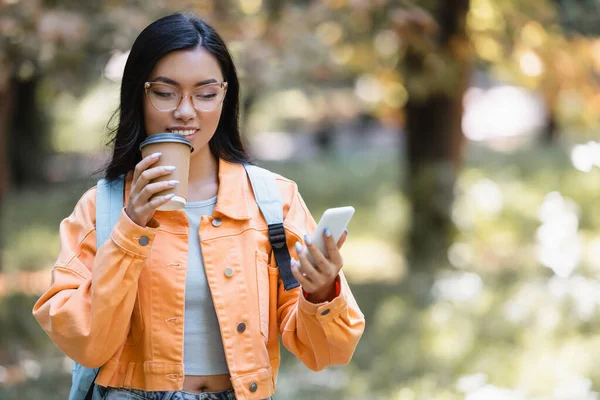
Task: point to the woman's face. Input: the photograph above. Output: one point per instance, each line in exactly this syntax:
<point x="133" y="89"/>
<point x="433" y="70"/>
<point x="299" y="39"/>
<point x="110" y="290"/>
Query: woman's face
<point x="185" y="70"/>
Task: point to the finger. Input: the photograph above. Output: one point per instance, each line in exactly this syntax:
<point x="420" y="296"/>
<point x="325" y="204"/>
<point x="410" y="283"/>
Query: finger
<point x="319" y="270"/>
<point x="298" y="267"/>
<point x="342" y="240"/>
<point x="332" y="250"/>
<point x="144" y="164"/>
<point x="152" y="188"/>
<point x="148" y="175"/>
<point x="156" y="202"/>
<point x="319" y="258"/>
<point x="306" y="267"/>
<point x="306" y="284"/>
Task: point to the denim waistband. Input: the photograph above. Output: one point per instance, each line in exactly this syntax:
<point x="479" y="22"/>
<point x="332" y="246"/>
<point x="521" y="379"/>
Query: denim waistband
<point x="134" y="394"/>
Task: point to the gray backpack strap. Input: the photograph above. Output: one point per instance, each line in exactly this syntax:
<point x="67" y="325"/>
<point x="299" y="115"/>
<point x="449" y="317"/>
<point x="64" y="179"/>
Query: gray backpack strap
<point x="109" y="203"/>
<point x="270" y="204"/>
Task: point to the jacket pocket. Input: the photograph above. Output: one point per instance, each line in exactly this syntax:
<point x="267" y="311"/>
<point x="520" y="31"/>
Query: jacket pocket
<point x="136" y="328"/>
<point x="262" y="280"/>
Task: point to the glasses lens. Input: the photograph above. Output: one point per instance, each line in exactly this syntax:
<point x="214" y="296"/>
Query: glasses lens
<point x="163" y="97"/>
<point x="208" y="97"/>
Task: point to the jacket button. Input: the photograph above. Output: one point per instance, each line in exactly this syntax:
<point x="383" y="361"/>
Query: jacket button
<point x="241" y="327"/>
<point x="228" y="272"/>
<point x="325" y="312"/>
<point x="217" y="222"/>
<point x="253" y="387"/>
<point x="144" y="241"/>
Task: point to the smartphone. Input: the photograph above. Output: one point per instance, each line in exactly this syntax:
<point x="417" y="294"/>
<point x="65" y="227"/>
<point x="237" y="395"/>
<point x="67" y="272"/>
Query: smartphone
<point x="336" y="220"/>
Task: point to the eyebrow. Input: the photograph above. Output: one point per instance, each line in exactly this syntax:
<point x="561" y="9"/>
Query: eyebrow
<point x="173" y="82"/>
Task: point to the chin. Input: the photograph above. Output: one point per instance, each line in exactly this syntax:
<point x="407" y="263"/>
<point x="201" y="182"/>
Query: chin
<point x="200" y="148"/>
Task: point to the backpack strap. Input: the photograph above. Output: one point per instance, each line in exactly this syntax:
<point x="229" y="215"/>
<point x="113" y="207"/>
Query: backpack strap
<point x="82" y="382"/>
<point x="270" y="204"/>
<point x="109" y="203"/>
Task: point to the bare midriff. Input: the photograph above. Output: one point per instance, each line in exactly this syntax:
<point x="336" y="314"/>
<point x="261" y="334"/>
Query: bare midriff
<point x="206" y="383"/>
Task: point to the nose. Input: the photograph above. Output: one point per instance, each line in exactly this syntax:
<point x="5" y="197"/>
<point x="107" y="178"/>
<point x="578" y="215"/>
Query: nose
<point x="185" y="111"/>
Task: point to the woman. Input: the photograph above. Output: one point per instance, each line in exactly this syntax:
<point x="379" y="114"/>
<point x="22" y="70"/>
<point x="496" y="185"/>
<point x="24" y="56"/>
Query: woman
<point x="122" y="307"/>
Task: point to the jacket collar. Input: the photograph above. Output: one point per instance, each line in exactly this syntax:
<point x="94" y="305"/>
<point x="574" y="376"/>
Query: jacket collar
<point x="233" y="196"/>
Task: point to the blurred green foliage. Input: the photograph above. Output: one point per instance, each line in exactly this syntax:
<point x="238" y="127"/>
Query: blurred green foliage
<point x="496" y="317"/>
<point x="492" y="322"/>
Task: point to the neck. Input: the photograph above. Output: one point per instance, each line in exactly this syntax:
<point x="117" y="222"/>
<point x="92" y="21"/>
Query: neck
<point x="203" y="180"/>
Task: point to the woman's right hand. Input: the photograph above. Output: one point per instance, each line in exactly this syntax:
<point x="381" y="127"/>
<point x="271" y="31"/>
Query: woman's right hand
<point x="139" y="209"/>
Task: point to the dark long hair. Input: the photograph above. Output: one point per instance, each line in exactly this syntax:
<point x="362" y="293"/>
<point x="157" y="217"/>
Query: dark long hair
<point x="174" y="32"/>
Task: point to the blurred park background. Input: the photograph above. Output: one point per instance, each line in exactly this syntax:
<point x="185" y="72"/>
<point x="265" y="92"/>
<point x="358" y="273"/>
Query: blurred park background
<point x="465" y="134"/>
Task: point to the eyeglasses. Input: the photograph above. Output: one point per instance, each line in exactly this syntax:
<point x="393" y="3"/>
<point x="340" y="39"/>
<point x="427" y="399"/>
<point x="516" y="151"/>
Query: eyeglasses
<point x="165" y="97"/>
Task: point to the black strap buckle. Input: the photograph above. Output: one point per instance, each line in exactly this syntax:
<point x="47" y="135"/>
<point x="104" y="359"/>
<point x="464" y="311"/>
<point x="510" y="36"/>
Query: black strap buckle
<point x="282" y="255"/>
<point x="277" y="235"/>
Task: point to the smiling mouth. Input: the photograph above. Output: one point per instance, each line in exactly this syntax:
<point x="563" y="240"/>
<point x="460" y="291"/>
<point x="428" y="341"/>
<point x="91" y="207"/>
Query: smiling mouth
<point x="183" y="132"/>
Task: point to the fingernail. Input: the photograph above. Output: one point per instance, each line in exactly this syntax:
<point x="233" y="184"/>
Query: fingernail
<point x="307" y="240"/>
<point x="173" y="183"/>
<point x="346" y="231"/>
<point x="170" y="196"/>
<point x="170" y="168"/>
<point x="293" y="262"/>
<point x="327" y="232"/>
<point x="298" y="248"/>
<point x="156" y="155"/>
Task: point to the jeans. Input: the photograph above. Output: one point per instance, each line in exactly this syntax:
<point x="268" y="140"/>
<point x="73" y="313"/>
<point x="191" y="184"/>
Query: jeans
<point x="112" y="393"/>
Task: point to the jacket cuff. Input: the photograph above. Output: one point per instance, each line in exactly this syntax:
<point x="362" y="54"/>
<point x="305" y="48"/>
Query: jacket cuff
<point x="131" y="237"/>
<point x="329" y="309"/>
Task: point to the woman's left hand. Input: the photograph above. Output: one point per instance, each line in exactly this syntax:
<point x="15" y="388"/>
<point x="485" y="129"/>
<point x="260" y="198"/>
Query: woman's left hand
<point x="318" y="278"/>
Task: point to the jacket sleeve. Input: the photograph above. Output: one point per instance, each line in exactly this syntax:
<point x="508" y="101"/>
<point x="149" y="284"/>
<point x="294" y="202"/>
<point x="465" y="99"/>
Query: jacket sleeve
<point x="87" y="309"/>
<point x="318" y="334"/>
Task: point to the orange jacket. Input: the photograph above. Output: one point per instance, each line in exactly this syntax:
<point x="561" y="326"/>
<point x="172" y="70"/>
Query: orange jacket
<point x="121" y="306"/>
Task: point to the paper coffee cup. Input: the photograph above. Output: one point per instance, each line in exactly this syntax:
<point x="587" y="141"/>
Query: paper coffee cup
<point x="175" y="151"/>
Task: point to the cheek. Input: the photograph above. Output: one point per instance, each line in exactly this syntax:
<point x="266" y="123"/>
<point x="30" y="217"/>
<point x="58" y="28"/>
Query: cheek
<point x="208" y="122"/>
<point x="152" y="119"/>
<point x="212" y="118"/>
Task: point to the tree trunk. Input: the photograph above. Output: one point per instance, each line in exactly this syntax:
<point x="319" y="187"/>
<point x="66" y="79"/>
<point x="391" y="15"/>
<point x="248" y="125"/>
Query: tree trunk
<point x="6" y="97"/>
<point x="5" y="114"/>
<point x="251" y="92"/>
<point x="435" y="142"/>
<point x="222" y="8"/>
<point x="28" y="141"/>
<point x="274" y="8"/>
<point x="550" y="133"/>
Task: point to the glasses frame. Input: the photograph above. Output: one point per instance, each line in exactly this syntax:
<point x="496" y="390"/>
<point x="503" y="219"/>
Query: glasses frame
<point x="222" y="85"/>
